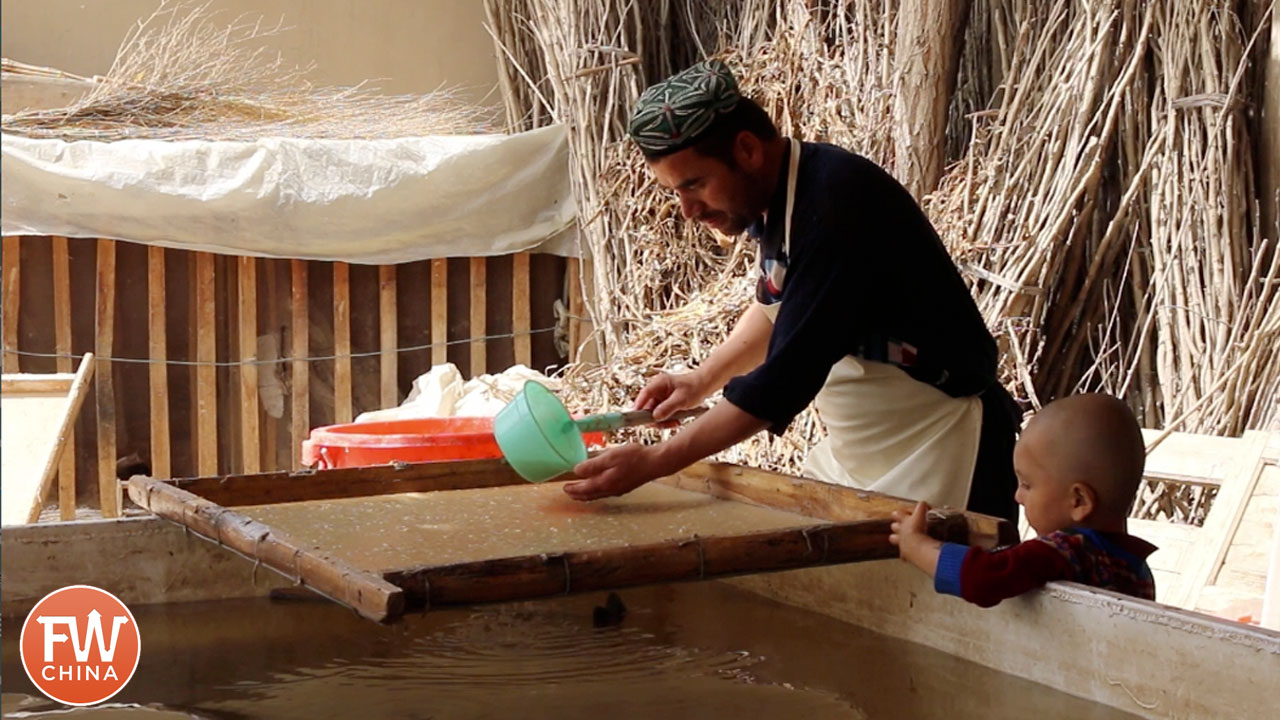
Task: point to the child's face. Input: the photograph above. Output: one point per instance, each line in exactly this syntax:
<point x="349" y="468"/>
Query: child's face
<point x="1047" y="501"/>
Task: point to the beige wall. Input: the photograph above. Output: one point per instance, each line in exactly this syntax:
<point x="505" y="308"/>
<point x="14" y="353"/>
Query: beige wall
<point x="408" y="46"/>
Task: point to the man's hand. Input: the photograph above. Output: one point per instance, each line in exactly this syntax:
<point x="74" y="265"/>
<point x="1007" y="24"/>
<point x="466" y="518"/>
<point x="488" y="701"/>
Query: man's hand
<point x="667" y="393"/>
<point x="616" y="471"/>
<point x="910" y="534"/>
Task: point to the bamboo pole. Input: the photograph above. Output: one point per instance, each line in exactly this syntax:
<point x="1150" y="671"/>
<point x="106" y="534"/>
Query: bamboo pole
<point x="479" y="354"/>
<point x="62" y="346"/>
<point x="816" y="499"/>
<point x="342" y="343"/>
<point x="158" y="368"/>
<point x="9" y="257"/>
<point x="108" y="486"/>
<point x="520" y="309"/>
<point x="333" y="578"/>
<point x="439" y="311"/>
<point x="79" y="388"/>
<point x="300" y="408"/>
<point x="205" y="313"/>
<point x="250" y="445"/>
<point x="697" y="558"/>
<point x="387" y="330"/>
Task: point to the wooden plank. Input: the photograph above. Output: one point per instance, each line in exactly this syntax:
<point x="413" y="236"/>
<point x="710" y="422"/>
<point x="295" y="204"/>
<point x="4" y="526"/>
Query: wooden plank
<point x="250" y="447"/>
<point x="439" y="311"/>
<point x="1222" y="521"/>
<point x="206" y="372"/>
<point x="520" y="309"/>
<point x="270" y="430"/>
<point x="12" y="274"/>
<point x="1190" y="458"/>
<point x="817" y="499"/>
<point x="342" y="342"/>
<point x="364" y="592"/>
<point x="390" y="396"/>
<point x="62" y="346"/>
<point x="159" y="368"/>
<point x="574" y="271"/>
<point x="300" y="409"/>
<point x="698" y="558"/>
<point x="108" y="487"/>
<point x="281" y="487"/>
<point x="479" y="356"/>
<point x="1271" y="594"/>
<point x="32" y="383"/>
<point x="76" y="394"/>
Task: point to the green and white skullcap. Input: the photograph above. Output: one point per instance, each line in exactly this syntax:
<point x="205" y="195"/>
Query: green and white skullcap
<point x="671" y="114"/>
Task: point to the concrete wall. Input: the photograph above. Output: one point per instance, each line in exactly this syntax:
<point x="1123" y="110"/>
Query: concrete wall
<point x="407" y="46"/>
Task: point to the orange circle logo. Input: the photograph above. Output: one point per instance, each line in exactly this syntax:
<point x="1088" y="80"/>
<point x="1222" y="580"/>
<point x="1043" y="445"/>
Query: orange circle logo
<point x="80" y="645"/>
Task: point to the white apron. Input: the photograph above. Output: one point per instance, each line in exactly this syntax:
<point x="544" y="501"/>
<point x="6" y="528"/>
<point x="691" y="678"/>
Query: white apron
<point x="886" y="431"/>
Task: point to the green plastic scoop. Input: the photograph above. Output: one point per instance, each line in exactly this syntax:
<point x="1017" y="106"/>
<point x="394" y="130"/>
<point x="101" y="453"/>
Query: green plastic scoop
<point x="541" y="441"/>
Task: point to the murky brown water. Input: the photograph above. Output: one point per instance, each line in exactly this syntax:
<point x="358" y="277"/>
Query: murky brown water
<point x="391" y="531"/>
<point x="703" y="650"/>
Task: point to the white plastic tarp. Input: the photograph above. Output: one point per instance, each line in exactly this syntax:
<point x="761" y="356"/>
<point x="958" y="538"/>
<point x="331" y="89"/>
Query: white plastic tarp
<point x="361" y="201"/>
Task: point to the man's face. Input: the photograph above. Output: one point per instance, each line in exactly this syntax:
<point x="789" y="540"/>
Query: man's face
<point x="710" y="191"/>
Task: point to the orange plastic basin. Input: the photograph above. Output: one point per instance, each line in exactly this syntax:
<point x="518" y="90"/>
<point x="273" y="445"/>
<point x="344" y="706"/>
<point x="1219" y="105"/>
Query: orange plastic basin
<point x="416" y="440"/>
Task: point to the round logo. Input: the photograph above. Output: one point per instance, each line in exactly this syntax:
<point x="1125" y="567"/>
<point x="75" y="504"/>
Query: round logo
<point x="80" y="645"/>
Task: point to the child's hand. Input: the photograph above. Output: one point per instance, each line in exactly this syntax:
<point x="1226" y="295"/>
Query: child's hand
<point x="910" y="534"/>
<point x="906" y="527"/>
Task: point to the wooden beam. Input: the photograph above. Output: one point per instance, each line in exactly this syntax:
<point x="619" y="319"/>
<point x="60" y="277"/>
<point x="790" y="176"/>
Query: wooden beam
<point x="108" y="487"/>
<point x="159" y="367"/>
<point x="1271" y="591"/>
<point x="364" y="592"/>
<point x="574" y="271"/>
<point x="32" y="383"/>
<point x="250" y="447"/>
<point x="62" y="346"/>
<point x="281" y="487"/>
<point x="479" y="356"/>
<point x="439" y="311"/>
<point x="1220" y="524"/>
<point x="271" y="427"/>
<point x="342" y="343"/>
<point x="697" y="558"/>
<point x="9" y="253"/>
<point x="300" y="410"/>
<point x="520" y="309"/>
<point x="206" y="372"/>
<point x="387" y="331"/>
<point x="76" y="393"/>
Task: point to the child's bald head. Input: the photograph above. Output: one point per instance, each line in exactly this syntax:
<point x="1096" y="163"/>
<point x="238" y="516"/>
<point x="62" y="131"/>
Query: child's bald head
<point x="1091" y="439"/>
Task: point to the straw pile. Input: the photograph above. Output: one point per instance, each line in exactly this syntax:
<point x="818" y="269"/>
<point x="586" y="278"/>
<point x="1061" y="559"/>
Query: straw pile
<point x="1101" y="199"/>
<point x="183" y="73"/>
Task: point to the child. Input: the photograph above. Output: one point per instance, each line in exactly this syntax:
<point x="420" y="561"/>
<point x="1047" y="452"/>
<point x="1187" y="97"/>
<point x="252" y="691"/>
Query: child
<point x="1078" y="463"/>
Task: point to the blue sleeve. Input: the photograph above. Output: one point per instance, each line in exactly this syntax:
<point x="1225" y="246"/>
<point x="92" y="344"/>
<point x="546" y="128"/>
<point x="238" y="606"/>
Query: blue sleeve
<point x="946" y="578"/>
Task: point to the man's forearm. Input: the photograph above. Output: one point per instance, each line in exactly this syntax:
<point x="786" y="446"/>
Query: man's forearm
<point x="743" y="351"/>
<point x="721" y="427"/>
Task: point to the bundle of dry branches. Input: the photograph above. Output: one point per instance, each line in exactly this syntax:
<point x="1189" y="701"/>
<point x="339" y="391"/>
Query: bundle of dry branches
<point x="1101" y="203"/>
<point x="666" y="290"/>
<point x="184" y="74"/>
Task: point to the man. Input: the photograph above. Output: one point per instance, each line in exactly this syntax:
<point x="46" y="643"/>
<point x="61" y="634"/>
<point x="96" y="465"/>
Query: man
<point x="858" y="308"/>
